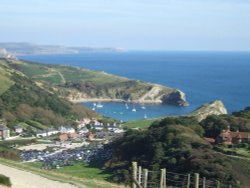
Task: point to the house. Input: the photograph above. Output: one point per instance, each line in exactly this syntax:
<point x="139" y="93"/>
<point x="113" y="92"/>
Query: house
<point x="210" y="140"/>
<point x="98" y="127"/>
<point x="72" y="135"/>
<point x="66" y="129"/>
<point x="63" y="137"/>
<point x="83" y="123"/>
<point x="47" y="132"/>
<point x="18" y="129"/>
<point x="91" y="136"/>
<point x="83" y="131"/>
<point x="51" y="131"/>
<point x="42" y="133"/>
<point x="4" y="132"/>
<point x="228" y="137"/>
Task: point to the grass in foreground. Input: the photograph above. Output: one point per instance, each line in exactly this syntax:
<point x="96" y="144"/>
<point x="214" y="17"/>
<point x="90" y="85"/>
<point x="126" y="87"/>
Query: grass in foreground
<point x="4" y="180"/>
<point x="81" y="170"/>
<point x="66" y="176"/>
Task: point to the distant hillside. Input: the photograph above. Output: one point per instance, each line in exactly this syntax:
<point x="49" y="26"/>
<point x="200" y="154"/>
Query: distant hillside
<point x="22" y="100"/>
<point x="5" y="54"/>
<point x="35" y="49"/>
<point x="78" y="84"/>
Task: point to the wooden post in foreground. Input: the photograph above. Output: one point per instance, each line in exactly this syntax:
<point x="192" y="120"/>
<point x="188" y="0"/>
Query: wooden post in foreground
<point x="139" y="175"/>
<point x="188" y="181"/>
<point x="163" y="181"/>
<point x="204" y="182"/>
<point x="145" y="180"/>
<point x="217" y="184"/>
<point x="165" y="178"/>
<point x="196" y="180"/>
<point x="134" y="174"/>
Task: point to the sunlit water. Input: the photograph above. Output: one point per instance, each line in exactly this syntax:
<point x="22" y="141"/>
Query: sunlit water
<point x="203" y="76"/>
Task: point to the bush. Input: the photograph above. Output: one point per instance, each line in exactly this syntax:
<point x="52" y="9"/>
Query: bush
<point x="4" y="180"/>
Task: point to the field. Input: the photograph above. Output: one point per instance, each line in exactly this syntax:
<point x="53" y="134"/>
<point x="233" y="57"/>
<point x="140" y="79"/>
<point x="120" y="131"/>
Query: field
<point x="245" y="152"/>
<point x="140" y="123"/>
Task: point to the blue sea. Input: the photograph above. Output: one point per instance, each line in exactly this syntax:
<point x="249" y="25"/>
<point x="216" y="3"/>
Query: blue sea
<point x="203" y="76"/>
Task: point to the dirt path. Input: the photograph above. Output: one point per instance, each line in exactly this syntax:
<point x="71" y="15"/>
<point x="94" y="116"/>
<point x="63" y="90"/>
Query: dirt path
<point x="23" y="179"/>
<point x="62" y="77"/>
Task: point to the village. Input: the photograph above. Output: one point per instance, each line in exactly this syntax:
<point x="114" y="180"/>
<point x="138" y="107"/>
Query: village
<point x="64" y="146"/>
<point x="87" y="141"/>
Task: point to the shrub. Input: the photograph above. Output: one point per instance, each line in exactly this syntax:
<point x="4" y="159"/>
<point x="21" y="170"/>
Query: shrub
<point x="4" y="180"/>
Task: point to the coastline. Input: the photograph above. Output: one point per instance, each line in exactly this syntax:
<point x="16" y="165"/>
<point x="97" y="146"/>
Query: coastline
<point x="82" y="100"/>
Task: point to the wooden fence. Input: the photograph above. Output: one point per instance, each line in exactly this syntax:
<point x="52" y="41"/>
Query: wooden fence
<point x="144" y="178"/>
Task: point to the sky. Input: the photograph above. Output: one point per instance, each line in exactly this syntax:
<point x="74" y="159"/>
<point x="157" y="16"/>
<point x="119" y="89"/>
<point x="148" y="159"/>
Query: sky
<point x="184" y="25"/>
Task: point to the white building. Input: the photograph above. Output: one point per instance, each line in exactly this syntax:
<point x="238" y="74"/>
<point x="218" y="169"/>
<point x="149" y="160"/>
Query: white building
<point x="66" y="129"/>
<point x="47" y="132"/>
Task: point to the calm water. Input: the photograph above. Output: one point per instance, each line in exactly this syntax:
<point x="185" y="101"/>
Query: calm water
<point x="203" y="76"/>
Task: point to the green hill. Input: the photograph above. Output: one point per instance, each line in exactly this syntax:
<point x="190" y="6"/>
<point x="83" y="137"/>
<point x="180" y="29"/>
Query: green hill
<point x="177" y="144"/>
<point x="22" y="100"/>
<point x="78" y="84"/>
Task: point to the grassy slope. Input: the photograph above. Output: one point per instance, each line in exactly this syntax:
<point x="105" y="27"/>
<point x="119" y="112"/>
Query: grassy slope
<point x="5" y="81"/>
<point x="64" y="177"/>
<point x="21" y="100"/>
<point x="92" y="83"/>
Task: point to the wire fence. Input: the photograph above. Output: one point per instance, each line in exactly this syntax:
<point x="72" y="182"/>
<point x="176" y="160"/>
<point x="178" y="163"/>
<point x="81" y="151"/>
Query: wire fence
<point x="144" y="178"/>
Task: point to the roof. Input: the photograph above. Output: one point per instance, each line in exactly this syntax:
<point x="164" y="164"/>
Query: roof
<point x="239" y="135"/>
<point x="63" y="137"/>
<point x="17" y="127"/>
<point x="72" y="135"/>
<point x="210" y="140"/>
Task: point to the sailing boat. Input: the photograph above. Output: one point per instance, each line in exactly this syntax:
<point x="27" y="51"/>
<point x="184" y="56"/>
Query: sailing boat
<point x="133" y="110"/>
<point x="126" y="105"/>
<point x="143" y="107"/>
<point x="145" y="116"/>
<point x="99" y="105"/>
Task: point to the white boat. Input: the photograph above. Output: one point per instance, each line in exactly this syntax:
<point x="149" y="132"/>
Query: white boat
<point x="93" y="109"/>
<point x="134" y="110"/>
<point x="94" y="104"/>
<point x="99" y="105"/>
<point x="143" y="107"/>
<point x="126" y="105"/>
<point x="145" y="116"/>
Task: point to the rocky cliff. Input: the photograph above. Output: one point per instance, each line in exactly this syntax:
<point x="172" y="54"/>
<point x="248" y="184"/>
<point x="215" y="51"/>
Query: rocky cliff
<point x="213" y="108"/>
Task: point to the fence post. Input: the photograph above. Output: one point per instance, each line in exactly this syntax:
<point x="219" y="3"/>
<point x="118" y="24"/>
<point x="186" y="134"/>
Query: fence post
<point x="217" y="184"/>
<point x="196" y="180"/>
<point x="188" y="180"/>
<point x="145" y="180"/>
<point x="204" y="182"/>
<point x="163" y="182"/>
<point x="134" y="174"/>
<point x="139" y="175"/>
<point x="165" y="179"/>
<point x="161" y="178"/>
